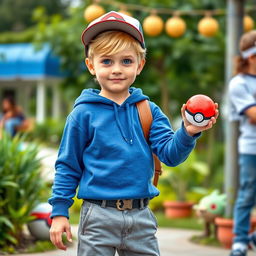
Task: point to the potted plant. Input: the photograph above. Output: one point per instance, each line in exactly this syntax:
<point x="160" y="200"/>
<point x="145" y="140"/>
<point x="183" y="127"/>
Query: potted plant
<point x="182" y="179"/>
<point x="225" y="230"/>
<point x="224" y="225"/>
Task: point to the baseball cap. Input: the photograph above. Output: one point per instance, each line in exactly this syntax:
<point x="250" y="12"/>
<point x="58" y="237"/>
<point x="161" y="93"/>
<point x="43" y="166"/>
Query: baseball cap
<point x="113" y="21"/>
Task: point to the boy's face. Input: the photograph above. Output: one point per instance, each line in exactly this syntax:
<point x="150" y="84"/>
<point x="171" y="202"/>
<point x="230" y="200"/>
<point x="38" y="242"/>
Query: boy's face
<point x="115" y="73"/>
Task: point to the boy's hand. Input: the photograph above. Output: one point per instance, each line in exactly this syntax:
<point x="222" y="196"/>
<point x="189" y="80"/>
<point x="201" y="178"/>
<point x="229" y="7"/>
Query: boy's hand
<point x="192" y="129"/>
<point x="60" y="224"/>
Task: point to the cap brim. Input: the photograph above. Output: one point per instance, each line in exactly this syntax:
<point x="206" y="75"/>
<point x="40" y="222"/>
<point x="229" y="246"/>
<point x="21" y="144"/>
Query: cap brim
<point x="109" y="25"/>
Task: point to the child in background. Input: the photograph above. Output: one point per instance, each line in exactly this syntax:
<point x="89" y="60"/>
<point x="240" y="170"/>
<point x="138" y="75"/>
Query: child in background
<point x="242" y="91"/>
<point x="104" y="152"/>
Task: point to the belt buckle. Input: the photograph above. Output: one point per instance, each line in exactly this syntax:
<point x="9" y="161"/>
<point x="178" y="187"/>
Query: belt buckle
<point x="124" y="204"/>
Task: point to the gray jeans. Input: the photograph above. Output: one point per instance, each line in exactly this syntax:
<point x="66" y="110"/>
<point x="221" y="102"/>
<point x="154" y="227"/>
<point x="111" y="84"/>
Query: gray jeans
<point x="103" y="231"/>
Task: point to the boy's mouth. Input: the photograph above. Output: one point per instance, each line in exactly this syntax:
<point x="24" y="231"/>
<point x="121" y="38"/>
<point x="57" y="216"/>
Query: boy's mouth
<point x="116" y="79"/>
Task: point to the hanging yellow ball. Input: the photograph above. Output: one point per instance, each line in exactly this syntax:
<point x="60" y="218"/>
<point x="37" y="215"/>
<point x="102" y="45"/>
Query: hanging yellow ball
<point x="248" y="23"/>
<point x="208" y="26"/>
<point x="93" y="12"/>
<point x="153" y="25"/>
<point x="175" y="27"/>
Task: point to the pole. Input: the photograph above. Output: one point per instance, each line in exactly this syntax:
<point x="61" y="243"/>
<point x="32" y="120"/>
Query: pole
<point x="40" y="101"/>
<point x="235" y="13"/>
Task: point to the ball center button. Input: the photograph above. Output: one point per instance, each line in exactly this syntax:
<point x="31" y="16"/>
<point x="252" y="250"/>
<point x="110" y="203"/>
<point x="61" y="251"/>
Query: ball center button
<point x="199" y="117"/>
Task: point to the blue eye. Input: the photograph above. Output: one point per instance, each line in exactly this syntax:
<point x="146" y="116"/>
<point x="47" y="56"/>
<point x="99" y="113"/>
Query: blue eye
<point x="127" y="61"/>
<point x="106" y="61"/>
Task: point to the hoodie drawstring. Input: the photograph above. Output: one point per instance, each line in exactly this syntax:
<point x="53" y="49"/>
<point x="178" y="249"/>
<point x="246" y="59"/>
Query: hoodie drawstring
<point x="130" y="125"/>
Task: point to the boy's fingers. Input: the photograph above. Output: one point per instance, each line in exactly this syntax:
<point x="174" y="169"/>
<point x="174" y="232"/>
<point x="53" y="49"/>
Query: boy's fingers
<point x="69" y="234"/>
<point x="59" y="242"/>
<point x="216" y="110"/>
<point x="213" y="120"/>
<point x="183" y="111"/>
<point x="56" y="238"/>
<point x="216" y="113"/>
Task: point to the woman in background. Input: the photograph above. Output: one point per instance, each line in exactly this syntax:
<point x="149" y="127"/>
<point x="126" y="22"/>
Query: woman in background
<point x="12" y="116"/>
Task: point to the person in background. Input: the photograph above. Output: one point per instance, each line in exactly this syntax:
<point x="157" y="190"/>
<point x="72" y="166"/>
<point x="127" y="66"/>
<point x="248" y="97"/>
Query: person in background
<point x="242" y="93"/>
<point x="12" y="116"/>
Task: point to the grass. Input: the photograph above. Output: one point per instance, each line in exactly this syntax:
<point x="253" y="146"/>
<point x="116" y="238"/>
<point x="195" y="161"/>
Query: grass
<point x="40" y="246"/>
<point x="182" y="223"/>
<point x="29" y="247"/>
<point x="209" y="241"/>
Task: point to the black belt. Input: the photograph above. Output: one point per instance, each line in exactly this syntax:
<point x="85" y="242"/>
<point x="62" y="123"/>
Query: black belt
<point x="121" y="204"/>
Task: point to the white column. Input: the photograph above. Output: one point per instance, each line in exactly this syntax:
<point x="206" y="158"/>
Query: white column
<point x="56" y="101"/>
<point x="23" y="97"/>
<point x="40" y="101"/>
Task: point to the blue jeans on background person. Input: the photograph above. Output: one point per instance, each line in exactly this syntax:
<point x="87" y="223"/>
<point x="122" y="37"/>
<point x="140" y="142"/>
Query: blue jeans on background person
<point x="246" y="197"/>
<point x="11" y="124"/>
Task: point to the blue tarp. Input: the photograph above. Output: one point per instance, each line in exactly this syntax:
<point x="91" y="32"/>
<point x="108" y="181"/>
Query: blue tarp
<point x="24" y="61"/>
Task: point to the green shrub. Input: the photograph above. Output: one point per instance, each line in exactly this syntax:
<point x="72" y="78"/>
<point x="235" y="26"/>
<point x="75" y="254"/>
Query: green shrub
<point x="49" y="132"/>
<point x="17" y="37"/>
<point x="185" y="177"/>
<point x="20" y="187"/>
<point x="166" y="193"/>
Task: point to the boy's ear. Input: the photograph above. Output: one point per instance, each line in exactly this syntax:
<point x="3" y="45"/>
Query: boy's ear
<point x="90" y="66"/>
<point x="141" y="66"/>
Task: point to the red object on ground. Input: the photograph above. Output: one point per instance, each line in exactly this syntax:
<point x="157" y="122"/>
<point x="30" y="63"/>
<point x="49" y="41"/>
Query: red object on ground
<point x="199" y="109"/>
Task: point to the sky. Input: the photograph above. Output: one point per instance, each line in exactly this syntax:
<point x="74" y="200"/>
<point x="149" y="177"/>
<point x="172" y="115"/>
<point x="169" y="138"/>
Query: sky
<point x="73" y="3"/>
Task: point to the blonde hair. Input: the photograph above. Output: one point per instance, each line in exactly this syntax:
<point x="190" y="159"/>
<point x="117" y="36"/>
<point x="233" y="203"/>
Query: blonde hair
<point x="247" y="41"/>
<point x="112" y="42"/>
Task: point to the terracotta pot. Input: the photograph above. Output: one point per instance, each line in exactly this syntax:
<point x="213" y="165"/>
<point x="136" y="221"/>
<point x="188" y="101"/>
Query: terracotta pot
<point x="174" y="209"/>
<point x="225" y="230"/>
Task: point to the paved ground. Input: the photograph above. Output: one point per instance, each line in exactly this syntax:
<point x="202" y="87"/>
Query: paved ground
<point x="171" y="241"/>
<point x="48" y="156"/>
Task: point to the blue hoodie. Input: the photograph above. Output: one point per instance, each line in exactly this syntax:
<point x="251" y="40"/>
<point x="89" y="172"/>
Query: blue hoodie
<point x="104" y="152"/>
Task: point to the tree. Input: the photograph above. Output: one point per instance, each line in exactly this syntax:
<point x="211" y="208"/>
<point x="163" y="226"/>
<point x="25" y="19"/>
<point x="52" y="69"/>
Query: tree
<point x="179" y="62"/>
<point x="17" y="14"/>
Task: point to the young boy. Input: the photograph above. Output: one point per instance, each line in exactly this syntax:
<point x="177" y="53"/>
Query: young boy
<point x="103" y="149"/>
<point x="242" y="91"/>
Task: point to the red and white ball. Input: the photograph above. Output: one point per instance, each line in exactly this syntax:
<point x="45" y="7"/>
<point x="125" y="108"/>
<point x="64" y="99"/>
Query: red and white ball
<point x="200" y="109"/>
<point x="40" y="226"/>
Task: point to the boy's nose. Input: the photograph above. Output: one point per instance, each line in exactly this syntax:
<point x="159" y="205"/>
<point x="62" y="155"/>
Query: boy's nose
<point x="116" y="69"/>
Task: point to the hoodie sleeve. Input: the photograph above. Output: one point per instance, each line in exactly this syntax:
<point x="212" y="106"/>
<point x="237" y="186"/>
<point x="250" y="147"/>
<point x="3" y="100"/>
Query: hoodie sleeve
<point x="69" y="167"/>
<point x="172" y="148"/>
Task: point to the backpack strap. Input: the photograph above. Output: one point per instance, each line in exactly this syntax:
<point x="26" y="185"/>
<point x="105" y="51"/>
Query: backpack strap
<point x="146" y="120"/>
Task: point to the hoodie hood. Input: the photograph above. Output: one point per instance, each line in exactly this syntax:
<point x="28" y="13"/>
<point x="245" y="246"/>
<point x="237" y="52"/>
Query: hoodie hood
<point x="92" y="96"/>
<point x="136" y="95"/>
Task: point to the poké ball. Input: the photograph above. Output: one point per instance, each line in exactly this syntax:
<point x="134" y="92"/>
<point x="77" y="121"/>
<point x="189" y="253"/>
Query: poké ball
<point x="199" y="110"/>
<point x="40" y="226"/>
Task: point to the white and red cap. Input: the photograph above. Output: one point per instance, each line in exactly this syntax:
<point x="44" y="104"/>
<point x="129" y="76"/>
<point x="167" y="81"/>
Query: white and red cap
<point x="113" y="21"/>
